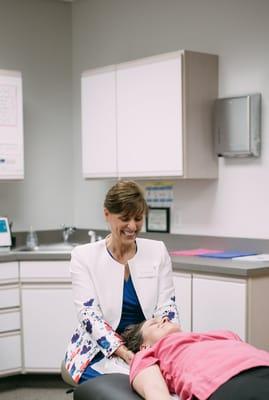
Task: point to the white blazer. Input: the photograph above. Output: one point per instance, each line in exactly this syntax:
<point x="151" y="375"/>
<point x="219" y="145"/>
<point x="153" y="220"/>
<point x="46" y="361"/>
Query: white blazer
<point x="97" y="281"/>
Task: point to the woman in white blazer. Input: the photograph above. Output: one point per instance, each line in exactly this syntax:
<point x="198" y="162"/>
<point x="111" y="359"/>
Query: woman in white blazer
<point x="116" y="282"/>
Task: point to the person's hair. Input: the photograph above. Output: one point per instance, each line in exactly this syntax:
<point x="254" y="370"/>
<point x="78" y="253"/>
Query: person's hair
<point x="132" y="336"/>
<point x="126" y="198"/>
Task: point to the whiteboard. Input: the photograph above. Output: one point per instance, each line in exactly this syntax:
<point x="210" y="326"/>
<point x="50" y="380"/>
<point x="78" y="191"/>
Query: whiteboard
<point x="11" y="125"/>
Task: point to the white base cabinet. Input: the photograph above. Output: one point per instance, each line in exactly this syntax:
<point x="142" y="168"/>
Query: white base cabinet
<point x="150" y="118"/>
<point x="10" y="326"/>
<point x="216" y="302"/>
<point x="183" y="290"/>
<point x="48" y="314"/>
<point x="219" y="303"/>
<point x="48" y="323"/>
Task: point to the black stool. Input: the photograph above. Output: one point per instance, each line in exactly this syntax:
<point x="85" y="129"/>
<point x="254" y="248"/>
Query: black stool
<point x="106" y="387"/>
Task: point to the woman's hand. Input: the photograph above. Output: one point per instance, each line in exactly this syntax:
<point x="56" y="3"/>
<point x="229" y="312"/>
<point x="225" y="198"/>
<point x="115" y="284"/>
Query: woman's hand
<point x="124" y="353"/>
<point x="129" y="356"/>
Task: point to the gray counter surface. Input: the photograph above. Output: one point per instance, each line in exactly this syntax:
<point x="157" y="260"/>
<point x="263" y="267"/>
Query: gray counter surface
<point x="188" y="264"/>
<point x="34" y="255"/>
<point x="219" y="266"/>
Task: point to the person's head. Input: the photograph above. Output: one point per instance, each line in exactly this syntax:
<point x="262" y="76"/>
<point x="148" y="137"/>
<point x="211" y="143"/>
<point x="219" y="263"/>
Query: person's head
<point x="143" y="335"/>
<point x="124" y="209"/>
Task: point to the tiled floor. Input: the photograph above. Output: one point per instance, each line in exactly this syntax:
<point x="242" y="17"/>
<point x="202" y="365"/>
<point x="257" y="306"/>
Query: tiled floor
<point x="35" y="394"/>
<point x="34" y="387"/>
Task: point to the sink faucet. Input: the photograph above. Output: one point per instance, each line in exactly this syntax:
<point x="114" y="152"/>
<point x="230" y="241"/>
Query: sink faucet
<point x="92" y="235"/>
<point x="67" y="231"/>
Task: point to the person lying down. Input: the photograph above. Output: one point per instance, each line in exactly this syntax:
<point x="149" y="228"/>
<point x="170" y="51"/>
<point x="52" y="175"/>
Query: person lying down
<point x="214" y="365"/>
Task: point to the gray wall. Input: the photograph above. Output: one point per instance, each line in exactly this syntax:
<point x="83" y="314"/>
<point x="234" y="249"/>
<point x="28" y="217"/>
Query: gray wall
<point x="112" y="31"/>
<point x="35" y="38"/>
<point x="52" y="42"/>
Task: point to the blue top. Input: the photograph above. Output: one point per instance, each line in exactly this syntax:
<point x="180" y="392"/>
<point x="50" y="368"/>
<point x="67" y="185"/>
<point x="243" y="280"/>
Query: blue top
<point x="131" y="314"/>
<point x="131" y="310"/>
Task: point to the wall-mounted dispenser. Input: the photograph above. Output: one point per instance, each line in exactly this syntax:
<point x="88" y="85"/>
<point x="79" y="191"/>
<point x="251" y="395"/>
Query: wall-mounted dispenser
<point x="237" y="127"/>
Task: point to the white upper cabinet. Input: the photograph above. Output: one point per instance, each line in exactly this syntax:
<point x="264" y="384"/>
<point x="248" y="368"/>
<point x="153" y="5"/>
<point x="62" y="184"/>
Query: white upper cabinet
<point x="98" y="101"/>
<point x="151" y="118"/>
<point x="11" y="126"/>
<point x="149" y="98"/>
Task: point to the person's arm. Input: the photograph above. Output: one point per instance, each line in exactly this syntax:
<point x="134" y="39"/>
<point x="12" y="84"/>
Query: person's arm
<point x="166" y="305"/>
<point x="150" y="384"/>
<point x="89" y="311"/>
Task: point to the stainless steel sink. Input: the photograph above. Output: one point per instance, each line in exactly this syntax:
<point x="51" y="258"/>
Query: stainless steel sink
<point x="51" y="247"/>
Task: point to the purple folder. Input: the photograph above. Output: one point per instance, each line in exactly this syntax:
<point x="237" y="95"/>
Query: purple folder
<point x="229" y="254"/>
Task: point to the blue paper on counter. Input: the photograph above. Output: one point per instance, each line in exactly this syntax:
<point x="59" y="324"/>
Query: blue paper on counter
<point x="229" y="254"/>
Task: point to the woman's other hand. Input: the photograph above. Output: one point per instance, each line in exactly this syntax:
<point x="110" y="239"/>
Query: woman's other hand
<point x="129" y="357"/>
<point x="125" y="354"/>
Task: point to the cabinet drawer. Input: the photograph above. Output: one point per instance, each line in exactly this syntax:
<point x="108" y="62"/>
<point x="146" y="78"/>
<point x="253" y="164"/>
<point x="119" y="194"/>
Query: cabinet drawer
<point x="10" y="350"/>
<point x="9" y="297"/>
<point x="10" y="321"/>
<point x="9" y="272"/>
<point x="44" y="270"/>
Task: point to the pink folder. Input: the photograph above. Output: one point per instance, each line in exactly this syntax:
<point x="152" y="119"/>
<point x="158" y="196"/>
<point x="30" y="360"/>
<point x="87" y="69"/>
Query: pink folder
<point x="193" y="252"/>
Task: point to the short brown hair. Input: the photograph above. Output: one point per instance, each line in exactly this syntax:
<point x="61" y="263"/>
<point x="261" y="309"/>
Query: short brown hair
<point x="126" y="198"/>
<point x="132" y="336"/>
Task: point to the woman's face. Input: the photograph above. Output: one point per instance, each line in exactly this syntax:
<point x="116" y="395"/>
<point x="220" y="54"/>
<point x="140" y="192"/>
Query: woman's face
<point x="124" y="229"/>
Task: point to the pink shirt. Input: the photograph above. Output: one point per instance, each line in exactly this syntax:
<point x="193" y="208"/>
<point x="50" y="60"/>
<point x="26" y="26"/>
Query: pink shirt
<point x="198" y="363"/>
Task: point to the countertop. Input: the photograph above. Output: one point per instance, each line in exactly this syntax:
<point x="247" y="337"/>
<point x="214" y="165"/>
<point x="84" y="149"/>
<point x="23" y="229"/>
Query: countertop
<point x="219" y="266"/>
<point x="192" y="264"/>
<point x="14" y="255"/>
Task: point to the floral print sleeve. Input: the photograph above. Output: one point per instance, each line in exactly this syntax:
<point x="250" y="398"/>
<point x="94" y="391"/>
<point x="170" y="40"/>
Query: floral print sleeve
<point x="166" y="305"/>
<point x="90" y="314"/>
<point x="106" y="338"/>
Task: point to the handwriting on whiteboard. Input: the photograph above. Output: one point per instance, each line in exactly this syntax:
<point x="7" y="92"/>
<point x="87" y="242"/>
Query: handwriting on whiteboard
<point x="8" y="105"/>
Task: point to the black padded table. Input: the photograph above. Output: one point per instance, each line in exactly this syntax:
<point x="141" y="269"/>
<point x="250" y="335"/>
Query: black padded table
<point x="106" y="387"/>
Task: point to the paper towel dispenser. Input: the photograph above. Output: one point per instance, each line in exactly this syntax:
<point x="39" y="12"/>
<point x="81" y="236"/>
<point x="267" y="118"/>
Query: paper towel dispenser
<point x="237" y="127"/>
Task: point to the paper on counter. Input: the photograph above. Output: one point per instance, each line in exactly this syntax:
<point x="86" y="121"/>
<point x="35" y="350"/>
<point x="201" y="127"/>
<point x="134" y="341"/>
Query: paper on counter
<point x="257" y="257"/>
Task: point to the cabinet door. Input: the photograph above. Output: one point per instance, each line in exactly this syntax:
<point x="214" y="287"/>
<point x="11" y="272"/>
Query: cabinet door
<point x="183" y="283"/>
<point x="48" y="320"/>
<point x="10" y="351"/>
<point x="219" y="303"/>
<point x="98" y="105"/>
<point x="149" y="110"/>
